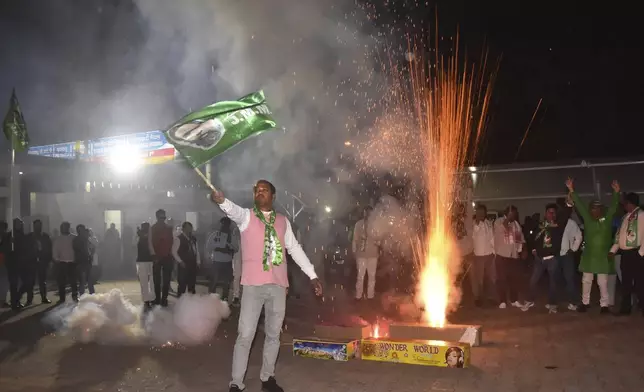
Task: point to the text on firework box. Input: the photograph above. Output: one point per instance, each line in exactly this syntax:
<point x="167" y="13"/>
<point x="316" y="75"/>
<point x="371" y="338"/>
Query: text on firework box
<point x="417" y="352"/>
<point x="471" y="334"/>
<point x="328" y="331"/>
<point x="337" y="350"/>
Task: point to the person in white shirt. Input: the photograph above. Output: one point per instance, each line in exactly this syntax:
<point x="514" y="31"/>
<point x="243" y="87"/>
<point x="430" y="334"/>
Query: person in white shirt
<point x="628" y="242"/>
<point x="265" y="237"/>
<point x="366" y="250"/>
<point x="186" y="253"/>
<point x="221" y="246"/>
<point x="482" y="270"/>
<point x="509" y="245"/>
<point x="570" y="244"/>
<point x="63" y="256"/>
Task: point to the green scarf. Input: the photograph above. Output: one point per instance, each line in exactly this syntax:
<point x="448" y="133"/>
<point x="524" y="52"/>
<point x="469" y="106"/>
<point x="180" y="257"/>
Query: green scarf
<point x="271" y="241"/>
<point x="545" y="231"/>
<point x="631" y="229"/>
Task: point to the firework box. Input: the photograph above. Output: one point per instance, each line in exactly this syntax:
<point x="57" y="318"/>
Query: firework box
<point x="337" y="350"/>
<point x="471" y="334"/>
<point x="416" y="352"/>
<point x="342" y="332"/>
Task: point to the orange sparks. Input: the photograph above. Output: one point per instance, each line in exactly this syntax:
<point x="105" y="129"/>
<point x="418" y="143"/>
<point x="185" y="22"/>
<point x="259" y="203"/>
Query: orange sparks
<point x="525" y="135"/>
<point x="450" y="102"/>
<point x="376" y="331"/>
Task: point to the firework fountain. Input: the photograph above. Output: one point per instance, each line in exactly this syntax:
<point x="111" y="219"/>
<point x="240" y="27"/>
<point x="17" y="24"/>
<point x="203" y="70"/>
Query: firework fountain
<point x="450" y="103"/>
<point x="443" y="102"/>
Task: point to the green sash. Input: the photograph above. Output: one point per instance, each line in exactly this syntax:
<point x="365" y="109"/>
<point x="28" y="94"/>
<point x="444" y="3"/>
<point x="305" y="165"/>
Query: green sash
<point x="631" y="229"/>
<point x="272" y="245"/>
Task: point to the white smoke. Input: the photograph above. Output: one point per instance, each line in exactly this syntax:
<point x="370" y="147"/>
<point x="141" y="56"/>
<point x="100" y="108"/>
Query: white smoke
<point x="310" y="59"/>
<point x="110" y="318"/>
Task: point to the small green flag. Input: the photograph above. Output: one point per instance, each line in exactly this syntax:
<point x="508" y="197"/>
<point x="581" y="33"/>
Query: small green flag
<point x="14" y="126"/>
<point x="210" y="131"/>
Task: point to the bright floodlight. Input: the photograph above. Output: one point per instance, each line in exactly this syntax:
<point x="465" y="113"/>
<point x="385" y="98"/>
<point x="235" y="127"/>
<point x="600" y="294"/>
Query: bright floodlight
<point x="125" y="159"/>
<point x="327" y="209"/>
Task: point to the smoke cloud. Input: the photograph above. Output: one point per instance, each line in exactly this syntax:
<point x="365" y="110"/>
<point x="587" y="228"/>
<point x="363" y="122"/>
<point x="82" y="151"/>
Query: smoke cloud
<point x="309" y="58"/>
<point x="110" y="318"/>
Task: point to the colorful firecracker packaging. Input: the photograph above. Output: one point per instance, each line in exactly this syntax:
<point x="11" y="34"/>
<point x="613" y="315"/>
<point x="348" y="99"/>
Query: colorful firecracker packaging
<point x="417" y="352"/>
<point x="337" y="350"/>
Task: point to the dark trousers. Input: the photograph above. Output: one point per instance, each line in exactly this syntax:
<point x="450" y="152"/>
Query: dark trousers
<point x="161" y="275"/>
<point x="13" y="272"/>
<point x="66" y="273"/>
<point x="568" y="266"/>
<point x="632" y="278"/>
<point x="85" y="278"/>
<point x="540" y="267"/>
<point x="29" y="274"/>
<point x="187" y="277"/>
<point x="508" y="278"/>
<point x="222" y="276"/>
<point x="482" y="275"/>
<point x="28" y="271"/>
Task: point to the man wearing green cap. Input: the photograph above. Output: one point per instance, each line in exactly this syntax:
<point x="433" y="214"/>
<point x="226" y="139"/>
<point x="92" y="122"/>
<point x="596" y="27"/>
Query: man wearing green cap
<point x="595" y="259"/>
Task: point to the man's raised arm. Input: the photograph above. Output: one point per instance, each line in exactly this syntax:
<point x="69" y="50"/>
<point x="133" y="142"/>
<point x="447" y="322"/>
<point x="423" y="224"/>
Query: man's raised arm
<point x="237" y="214"/>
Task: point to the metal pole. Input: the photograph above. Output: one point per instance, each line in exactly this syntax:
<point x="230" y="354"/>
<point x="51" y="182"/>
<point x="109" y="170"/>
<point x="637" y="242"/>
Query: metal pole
<point x="531" y="197"/>
<point x="553" y="167"/>
<point x="11" y="186"/>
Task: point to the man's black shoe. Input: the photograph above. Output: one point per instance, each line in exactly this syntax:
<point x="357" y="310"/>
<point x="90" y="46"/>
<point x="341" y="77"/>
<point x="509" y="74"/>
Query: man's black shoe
<point x="45" y="300"/>
<point x="234" y="388"/>
<point x="582" y="308"/>
<point x="164" y="303"/>
<point x="271" y="386"/>
<point x="604" y="310"/>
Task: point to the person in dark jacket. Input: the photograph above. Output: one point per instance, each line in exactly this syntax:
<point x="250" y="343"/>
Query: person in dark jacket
<point x="21" y="274"/>
<point x="186" y="253"/>
<point x="5" y="250"/>
<point x="161" y="240"/>
<point x="546" y="254"/>
<point x="145" y="265"/>
<point x="37" y="263"/>
<point x="83" y="259"/>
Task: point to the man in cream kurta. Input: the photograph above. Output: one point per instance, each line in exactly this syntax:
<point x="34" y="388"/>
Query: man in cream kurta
<point x="365" y="248"/>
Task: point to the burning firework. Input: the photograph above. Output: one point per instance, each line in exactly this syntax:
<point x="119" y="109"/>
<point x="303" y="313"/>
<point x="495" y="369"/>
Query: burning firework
<point x="448" y="101"/>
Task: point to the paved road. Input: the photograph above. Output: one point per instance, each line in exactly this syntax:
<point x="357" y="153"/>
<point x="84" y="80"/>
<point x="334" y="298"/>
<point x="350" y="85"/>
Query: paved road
<point x="523" y="352"/>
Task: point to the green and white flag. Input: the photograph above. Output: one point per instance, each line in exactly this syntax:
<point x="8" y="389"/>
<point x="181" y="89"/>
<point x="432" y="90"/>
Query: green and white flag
<point x="210" y="131"/>
<point x="14" y="126"/>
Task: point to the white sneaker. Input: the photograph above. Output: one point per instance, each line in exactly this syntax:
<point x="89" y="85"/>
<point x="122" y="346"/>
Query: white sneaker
<point x="572" y="307"/>
<point x="502" y="305"/>
<point x="527" y="306"/>
<point x="517" y="304"/>
<point x="551" y="308"/>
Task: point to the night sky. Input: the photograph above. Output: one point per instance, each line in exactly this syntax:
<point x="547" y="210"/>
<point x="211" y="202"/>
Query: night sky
<point x="583" y="60"/>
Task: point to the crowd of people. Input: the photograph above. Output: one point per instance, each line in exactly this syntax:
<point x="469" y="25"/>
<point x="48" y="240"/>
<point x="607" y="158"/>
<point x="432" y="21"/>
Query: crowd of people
<point x="26" y="258"/>
<point x="73" y="258"/>
<point x="602" y="244"/>
<point x="553" y="244"/>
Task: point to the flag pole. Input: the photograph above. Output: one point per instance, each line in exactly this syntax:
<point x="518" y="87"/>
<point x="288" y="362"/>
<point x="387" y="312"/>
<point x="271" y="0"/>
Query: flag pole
<point x="205" y="179"/>
<point x="11" y="186"/>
